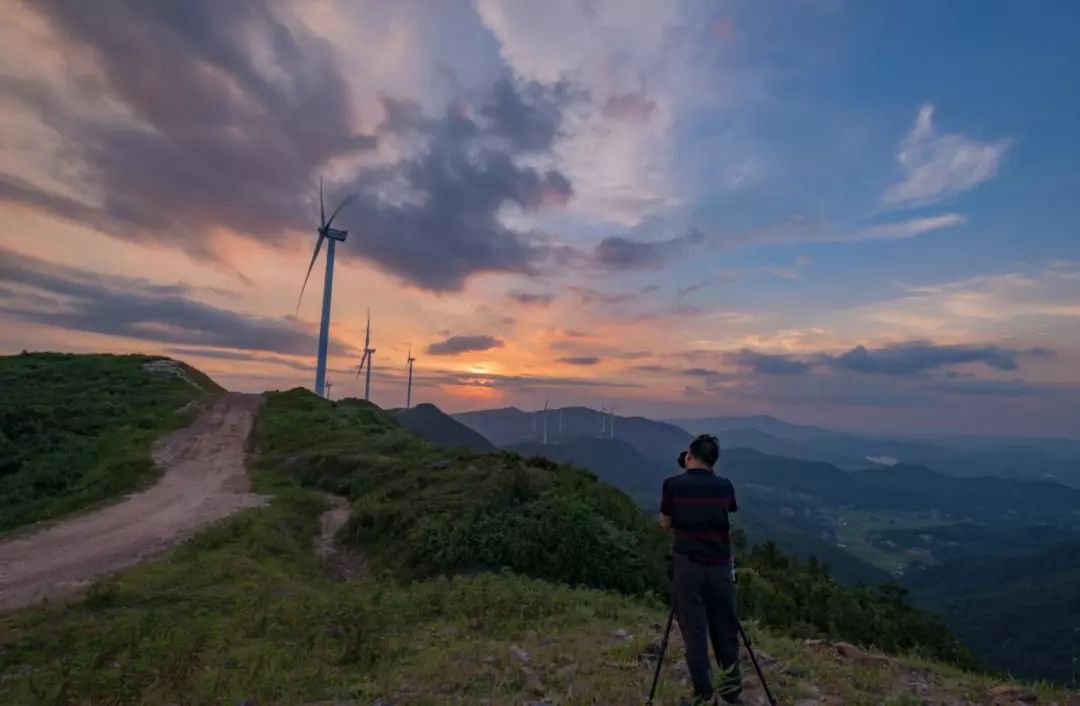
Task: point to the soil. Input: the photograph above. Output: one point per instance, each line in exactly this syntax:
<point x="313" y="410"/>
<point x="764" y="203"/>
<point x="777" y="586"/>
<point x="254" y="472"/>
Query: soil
<point x="204" y="479"/>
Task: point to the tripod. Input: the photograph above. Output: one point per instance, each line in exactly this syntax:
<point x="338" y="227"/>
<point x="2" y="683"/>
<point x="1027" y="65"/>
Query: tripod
<point x="663" y="649"/>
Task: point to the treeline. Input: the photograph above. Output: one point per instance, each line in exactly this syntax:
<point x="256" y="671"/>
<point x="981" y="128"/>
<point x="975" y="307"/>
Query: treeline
<point x="419" y="510"/>
<point x="805" y="600"/>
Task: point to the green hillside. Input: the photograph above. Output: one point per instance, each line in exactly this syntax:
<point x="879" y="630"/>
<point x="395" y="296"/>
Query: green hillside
<point x="77" y="429"/>
<point x="1020" y="612"/>
<point x="484" y="576"/>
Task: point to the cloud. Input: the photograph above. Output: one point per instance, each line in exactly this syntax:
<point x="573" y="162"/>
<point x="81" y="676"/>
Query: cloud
<point x="455" y="345"/>
<point x="619" y="253"/>
<point x="78" y="300"/>
<point x="991" y="388"/>
<point x="936" y="166"/>
<point x="767" y="364"/>
<point x="633" y="107"/>
<point x="433" y="219"/>
<point x="920" y="357"/>
<point x="224" y="116"/>
<point x="912" y="227"/>
<point x="580" y="360"/>
<point x="532" y="298"/>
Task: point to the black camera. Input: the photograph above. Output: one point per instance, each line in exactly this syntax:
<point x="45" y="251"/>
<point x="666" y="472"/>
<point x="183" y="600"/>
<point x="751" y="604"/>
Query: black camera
<point x="682" y="459"/>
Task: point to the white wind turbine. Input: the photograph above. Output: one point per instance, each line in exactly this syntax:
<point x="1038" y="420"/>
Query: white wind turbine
<point x="408" y="393"/>
<point x="369" y="353"/>
<point x="545" y="421"/>
<point x="332" y="236"/>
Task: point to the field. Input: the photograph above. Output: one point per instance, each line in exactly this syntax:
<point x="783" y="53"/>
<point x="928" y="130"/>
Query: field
<point x="247" y="610"/>
<point x="77" y="430"/>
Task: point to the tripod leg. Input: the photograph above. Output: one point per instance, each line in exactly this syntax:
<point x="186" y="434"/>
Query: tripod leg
<point x="663" y="649"/>
<point x="757" y="668"/>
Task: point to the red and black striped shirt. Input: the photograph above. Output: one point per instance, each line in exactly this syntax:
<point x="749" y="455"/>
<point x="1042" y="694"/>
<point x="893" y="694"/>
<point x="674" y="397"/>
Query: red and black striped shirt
<point x="698" y="503"/>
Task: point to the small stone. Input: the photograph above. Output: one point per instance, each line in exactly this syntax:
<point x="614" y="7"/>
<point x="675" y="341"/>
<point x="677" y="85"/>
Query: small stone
<point x="521" y="654"/>
<point x="1013" y="693"/>
<point x="566" y="672"/>
<point x="850" y="651"/>
<point x="621" y="634"/>
<point x="448" y="631"/>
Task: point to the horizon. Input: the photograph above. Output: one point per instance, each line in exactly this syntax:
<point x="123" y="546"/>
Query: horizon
<point x="850" y="215"/>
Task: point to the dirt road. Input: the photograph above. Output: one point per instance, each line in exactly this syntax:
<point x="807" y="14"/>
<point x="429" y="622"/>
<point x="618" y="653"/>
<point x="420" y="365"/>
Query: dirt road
<point x="204" y="480"/>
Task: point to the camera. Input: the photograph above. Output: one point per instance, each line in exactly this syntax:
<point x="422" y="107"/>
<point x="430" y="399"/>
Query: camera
<point x="682" y="459"/>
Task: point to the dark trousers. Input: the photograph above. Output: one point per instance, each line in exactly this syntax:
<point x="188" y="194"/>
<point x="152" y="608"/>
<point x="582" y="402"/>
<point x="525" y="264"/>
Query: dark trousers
<point x="705" y="605"/>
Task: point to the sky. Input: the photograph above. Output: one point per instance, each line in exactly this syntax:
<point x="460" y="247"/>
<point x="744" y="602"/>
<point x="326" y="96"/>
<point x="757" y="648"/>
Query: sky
<point x="855" y="214"/>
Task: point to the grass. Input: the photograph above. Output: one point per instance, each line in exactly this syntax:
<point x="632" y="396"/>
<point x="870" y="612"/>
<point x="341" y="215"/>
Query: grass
<point x="245" y="610"/>
<point x="76" y="430"/>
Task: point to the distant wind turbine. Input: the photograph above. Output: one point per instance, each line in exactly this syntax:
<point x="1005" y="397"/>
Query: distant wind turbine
<point x="332" y="235"/>
<point x="369" y="353"/>
<point x="603" y="417"/>
<point x="545" y="422"/>
<point x="328" y="386"/>
<point x="612" y="425"/>
<point x="408" y="393"/>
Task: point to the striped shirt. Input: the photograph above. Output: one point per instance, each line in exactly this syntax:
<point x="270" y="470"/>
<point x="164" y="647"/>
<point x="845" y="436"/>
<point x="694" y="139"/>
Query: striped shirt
<point x="698" y="503"/>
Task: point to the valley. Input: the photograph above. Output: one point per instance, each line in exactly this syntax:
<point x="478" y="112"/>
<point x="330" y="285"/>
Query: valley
<point x="901" y="522"/>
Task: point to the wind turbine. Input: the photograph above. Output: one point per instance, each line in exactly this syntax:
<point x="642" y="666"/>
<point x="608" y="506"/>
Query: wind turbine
<point x="332" y="235"/>
<point x="369" y="353"/>
<point x="611" y="427"/>
<point x="603" y="417"/>
<point x="408" y="394"/>
<point x="328" y="386"/>
<point x="545" y="421"/>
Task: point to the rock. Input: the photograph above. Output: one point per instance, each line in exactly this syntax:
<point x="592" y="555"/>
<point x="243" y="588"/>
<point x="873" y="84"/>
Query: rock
<point x="853" y="653"/>
<point x="448" y="631"/>
<point x="566" y="672"/>
<point x="808" y="702"/>
<point x="1012" y="694"/>
<point x="521" y="654"/>
<point x="621" y="634"/>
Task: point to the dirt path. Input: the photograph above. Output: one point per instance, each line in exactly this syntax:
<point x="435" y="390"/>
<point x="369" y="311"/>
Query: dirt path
<point x="204" y="479"/>
<point x="341" y="563"/>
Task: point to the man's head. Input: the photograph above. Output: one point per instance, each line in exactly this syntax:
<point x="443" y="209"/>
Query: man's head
<point x="703" y="452"/>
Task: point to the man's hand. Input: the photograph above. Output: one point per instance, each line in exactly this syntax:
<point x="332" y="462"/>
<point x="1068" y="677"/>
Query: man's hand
<point x="665" y="521"/>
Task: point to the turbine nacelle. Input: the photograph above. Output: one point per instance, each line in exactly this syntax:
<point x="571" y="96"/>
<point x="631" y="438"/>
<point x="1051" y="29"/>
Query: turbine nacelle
<point x="334" y="233"/>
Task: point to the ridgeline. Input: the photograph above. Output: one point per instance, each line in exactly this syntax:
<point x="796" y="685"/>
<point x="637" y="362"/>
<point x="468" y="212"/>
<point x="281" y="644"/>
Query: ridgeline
<point x="486" y="576"/>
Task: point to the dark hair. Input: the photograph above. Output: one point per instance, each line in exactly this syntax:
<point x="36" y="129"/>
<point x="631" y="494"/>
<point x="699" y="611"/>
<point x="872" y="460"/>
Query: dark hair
<point x="706" y="449"/>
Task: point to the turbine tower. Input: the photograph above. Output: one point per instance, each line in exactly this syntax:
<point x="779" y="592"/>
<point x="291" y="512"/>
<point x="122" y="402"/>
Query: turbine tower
<point x="603" y="417"/>
<point x="369" y="353"/>
<point x="332" y="236"/>
<point x="545" y="422"/>
<point x="611" y="427"/>
<point x="408" y="393"/>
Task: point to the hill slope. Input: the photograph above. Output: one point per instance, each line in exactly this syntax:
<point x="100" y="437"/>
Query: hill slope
<point x="430" y="423"/>
<point x="77" y="429"/>
<point x="1020" y="611"/>
<point x="245" y="611"/>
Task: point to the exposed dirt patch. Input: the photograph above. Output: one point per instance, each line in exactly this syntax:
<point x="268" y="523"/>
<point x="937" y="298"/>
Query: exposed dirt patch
<point x="204" y="479"/>
<point x="343" y="564"/>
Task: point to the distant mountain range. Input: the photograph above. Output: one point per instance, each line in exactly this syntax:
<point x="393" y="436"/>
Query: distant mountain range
<point x="962" y="456"/>
<point x="978" y="527"/>
<point x="429" y="422"/>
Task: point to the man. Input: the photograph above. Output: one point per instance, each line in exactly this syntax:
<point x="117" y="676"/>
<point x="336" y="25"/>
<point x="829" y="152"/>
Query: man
<point x="695" y="505"/>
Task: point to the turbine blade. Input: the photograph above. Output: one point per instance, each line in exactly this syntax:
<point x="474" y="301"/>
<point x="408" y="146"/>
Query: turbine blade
<point x="322" y="209"/>
<point x="360" y="368"/>
<point x="337" y="210"/>
<point x="311" y="265"/>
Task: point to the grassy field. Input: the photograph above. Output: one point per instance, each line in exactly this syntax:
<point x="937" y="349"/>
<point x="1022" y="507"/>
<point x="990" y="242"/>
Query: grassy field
<point x="247" y="611"/>
<point x="76" y="430"/>
<point x="857" y="531"/>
